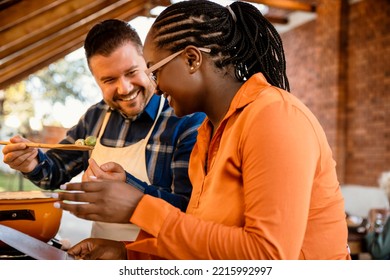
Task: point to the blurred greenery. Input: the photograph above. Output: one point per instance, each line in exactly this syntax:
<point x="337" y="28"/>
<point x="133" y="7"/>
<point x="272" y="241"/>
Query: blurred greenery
<point x="64" y="80"/>
<point x="19" y="104"/>
<point x="61" y="80"/>
<point x="15" y="182"/>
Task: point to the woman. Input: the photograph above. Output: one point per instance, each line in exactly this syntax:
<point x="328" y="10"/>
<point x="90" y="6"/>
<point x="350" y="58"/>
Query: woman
<point x="264" y="181"/>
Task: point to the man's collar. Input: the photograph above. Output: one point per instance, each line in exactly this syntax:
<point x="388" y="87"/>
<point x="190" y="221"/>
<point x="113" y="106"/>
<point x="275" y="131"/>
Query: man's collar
<point x="151" y="108"/>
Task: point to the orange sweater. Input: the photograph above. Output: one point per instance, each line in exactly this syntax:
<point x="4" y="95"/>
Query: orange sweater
<point x="270" y="190"/>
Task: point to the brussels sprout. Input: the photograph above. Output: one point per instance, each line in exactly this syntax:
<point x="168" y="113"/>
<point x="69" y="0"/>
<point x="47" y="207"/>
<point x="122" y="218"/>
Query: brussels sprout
<point x="90" y="141"/>
<point x="80" y="142"/>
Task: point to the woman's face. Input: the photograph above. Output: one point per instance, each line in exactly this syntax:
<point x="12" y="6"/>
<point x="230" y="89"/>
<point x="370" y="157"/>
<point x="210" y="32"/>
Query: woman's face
<point x="180" y="84"/>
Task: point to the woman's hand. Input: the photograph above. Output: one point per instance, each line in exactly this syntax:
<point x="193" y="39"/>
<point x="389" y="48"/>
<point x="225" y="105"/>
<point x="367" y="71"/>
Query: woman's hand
<point x="99" y="249"/>
<point x="106" y="171"/>
<point x="98" y="200"/>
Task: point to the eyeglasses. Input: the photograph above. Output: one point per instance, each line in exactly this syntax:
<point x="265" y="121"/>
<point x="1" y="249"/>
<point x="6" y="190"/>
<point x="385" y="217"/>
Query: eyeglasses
<point x="151" y="71"/>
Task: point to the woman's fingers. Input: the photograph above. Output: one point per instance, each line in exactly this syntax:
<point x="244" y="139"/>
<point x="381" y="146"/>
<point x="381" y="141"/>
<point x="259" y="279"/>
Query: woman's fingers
<point x="86" y="211"/>
<point x="89" y="186"/>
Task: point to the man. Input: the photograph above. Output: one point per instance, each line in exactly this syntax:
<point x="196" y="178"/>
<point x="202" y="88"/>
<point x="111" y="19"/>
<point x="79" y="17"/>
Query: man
<point x="134" y="128"/>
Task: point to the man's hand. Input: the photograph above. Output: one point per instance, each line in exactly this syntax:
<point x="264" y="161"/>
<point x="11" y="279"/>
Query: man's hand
<point x="20" y="157"/>
<point x="104" y="201"/>
<point x="99" y="249"/>
<point x="106" y="171"/>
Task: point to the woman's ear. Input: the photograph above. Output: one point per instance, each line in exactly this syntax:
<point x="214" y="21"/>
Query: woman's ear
<point x="193" y="58"/>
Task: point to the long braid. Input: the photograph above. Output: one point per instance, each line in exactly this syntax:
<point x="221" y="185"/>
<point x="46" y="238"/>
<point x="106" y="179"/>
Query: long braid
<point x="248" y="40"/>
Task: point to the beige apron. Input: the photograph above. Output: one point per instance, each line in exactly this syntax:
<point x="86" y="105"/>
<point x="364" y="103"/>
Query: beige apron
<point x="132" y="159"/>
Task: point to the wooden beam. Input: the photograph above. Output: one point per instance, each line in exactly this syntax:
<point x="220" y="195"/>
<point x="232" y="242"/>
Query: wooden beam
<point x="160" y="2"/>
<point x="278" y="20"/>
<point x="287" y="5"/>
<point x="25" y="10"/>
<point x="7" y="3"/>
<point x="47" y="23"/>
<point x="19" y="64"/>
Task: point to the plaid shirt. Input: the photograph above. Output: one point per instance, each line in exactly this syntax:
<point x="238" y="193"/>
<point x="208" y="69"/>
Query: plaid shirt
<point x="167" y="152"/>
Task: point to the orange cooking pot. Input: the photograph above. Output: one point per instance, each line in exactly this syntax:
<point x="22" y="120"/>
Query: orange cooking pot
<point x="31" y="212"/>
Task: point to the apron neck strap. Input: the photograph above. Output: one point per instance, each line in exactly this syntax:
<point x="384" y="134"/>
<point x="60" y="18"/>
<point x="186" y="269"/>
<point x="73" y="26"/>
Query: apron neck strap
<point x="108" y="114"/>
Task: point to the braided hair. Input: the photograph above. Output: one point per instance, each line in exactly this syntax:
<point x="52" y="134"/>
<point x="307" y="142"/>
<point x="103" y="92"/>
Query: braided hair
<point x="238" y="34"/>
<point x="106" y="36"/>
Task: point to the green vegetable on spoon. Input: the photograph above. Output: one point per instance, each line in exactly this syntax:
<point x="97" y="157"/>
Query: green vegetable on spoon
<point x="90" y="141"/>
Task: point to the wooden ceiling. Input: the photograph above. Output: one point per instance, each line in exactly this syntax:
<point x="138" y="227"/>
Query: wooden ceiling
<point x="35" y="33"/>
